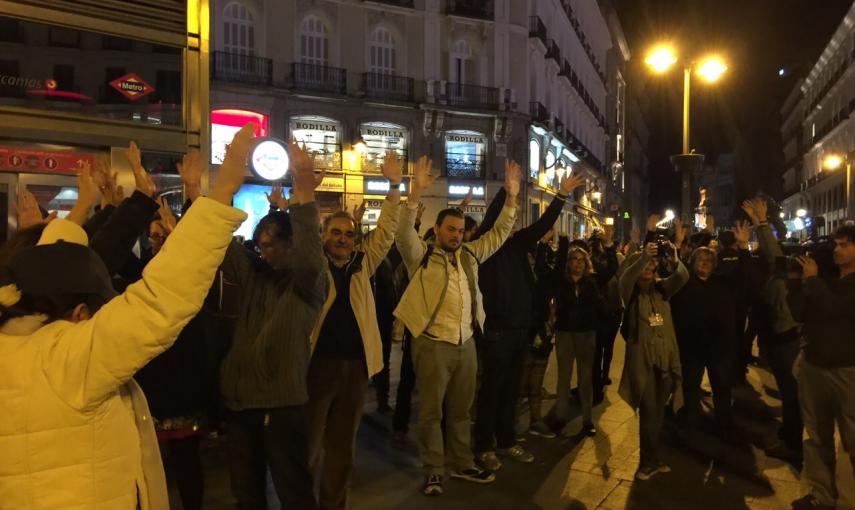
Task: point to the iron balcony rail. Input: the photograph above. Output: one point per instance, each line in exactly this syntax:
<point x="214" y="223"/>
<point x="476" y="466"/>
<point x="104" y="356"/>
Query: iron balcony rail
<point x="553" y="51"/>
<point x="538" y="112"/>
<point x="387" y="86"/>
<point x="481" y="9"/>
<point x="319" y="78"/>
<point x="399" y="3"/>
<point x="234" y="67"/>
<point x="460" y="94"/>
<point x="536" y="28"/>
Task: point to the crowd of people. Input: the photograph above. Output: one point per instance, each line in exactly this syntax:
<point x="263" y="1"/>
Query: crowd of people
<point x="127" y="335"/>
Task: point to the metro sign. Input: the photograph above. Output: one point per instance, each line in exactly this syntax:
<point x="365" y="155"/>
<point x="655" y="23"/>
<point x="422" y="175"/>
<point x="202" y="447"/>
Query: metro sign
<point x="132" y="86"/>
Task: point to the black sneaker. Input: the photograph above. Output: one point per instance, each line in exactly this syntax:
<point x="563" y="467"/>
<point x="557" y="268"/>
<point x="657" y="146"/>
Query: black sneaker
<point x="474" y="475"/>
<point x="589" y="429"/>
<point x="433" y="486"/>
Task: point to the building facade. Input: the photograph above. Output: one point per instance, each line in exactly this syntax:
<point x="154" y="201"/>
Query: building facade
<point x="817" y="123"/>
<point x="469" y="84"/>
<point x="78" y="82"/>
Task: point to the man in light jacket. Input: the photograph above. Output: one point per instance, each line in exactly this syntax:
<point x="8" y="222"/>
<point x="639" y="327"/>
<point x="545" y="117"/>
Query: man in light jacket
<point x="75" y="429"/>
<point x="346" y="344"/>
<point x="442" y="308"/>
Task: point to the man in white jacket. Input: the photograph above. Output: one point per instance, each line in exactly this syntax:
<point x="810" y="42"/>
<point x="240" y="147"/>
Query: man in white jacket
<point x="76" y="432"/>
<point x="442" y="308"/>
<point x="346" y="345"/>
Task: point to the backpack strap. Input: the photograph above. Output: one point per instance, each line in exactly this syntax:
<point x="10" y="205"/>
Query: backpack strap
<point x="426" y="256"/>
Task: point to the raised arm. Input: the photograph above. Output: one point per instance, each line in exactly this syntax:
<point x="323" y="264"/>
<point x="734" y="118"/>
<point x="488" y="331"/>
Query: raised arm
<point x="492" y="214"/>
<point x="678" y="278"/>
<point x="308" y="260"/>
<point x="769" y="247"/>
<point x="89" y="360"/>
<point x="490" y="243"/>
<point x="114" y="241"/>
<point x="377" y="245"/>
<point x="529" y="235"/>
<point x="412" y="248"/>
<point x="629" y="277"/>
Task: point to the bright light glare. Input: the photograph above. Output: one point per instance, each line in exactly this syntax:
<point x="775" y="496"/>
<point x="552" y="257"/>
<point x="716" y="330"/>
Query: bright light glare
<point x="360" y="147"/>
<point x="669" y="215"/>
<point x="832" y="162"/>
<point x="711" y="69"/>
<point x="801" y="213"/>
<point x="661" y="58"/>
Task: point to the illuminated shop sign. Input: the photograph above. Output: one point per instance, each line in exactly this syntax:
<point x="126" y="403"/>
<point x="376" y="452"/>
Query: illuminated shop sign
<point x="461" y="190"/>
<point x="226" y="122"/>
<point x="379" y="137"/>
<point x="322" y="137"/>
<point x="465" y="154"/>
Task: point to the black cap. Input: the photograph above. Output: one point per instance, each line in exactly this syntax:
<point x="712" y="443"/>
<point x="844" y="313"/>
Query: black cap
<point x="60" y="268"/>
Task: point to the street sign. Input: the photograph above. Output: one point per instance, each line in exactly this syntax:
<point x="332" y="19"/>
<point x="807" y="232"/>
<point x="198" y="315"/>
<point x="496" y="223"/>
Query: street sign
<point x="132" y="86"/>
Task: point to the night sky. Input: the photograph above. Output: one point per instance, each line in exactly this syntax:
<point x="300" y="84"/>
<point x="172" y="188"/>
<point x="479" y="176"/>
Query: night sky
<point x="740" y="114"/>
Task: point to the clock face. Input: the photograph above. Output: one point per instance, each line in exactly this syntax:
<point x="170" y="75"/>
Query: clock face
<point x="270" y="160"/>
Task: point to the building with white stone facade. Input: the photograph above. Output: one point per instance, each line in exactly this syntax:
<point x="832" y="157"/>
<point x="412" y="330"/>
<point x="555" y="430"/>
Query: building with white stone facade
<point x="467" y="83"/>
<point x="818" y="122"/>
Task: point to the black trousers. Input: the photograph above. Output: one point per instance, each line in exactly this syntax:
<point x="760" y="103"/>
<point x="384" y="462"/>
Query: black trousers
<point x="404" y="397"/>
<point x="781" y="352"/>
<point x="607" y="331"/>
<point x="185" y="464"/>
<point x="719" y="366"/>
<point x="276" y="438"/>
<point x="504" y="354"/>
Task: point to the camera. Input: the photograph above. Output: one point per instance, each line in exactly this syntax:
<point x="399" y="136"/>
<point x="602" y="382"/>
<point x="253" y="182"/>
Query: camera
<point x="663" y="245"/>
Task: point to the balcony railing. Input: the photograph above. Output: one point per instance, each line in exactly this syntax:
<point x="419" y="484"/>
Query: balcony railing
<point x="387" y="86"/>
<point x="481" y="9"/>
<point x="553" y="51"/>
<point x="536" y="28"/>
<point x="462" y="166"/>
<point x="567" y="72"/>
<point x="239" y="68"/>
<point x="399" y="3"/>
<point x="538" y="112"/>
<point x="460" y="94"/>
<point x="318" y="78"/>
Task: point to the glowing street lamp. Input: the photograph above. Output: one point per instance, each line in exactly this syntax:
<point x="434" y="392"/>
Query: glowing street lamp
<point x="661" y="58"/>
<point x="832" y="162"/>
<point x="711" y="69"/>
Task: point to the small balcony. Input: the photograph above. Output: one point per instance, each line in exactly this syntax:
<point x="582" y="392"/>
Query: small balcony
<point x="475" y="96"/>
<point x="398" y="3"/>
<point x="538" y="112"/>
<point x="388" y="87"/>
<point x="567" y="71"/>
<point x="480" y="9"/>
<point x="537" y="29"/>
<point x="237" y="68"/>
<point x="318" y="78"/>
<point x="553" y="51"/>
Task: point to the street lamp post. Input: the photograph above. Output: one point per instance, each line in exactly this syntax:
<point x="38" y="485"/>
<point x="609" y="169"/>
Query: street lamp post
<point x="710" y="69"/>
<point x="834" y="161"/>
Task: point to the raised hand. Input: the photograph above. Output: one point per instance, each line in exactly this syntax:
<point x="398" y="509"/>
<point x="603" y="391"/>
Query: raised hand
<point x="809" y="267"/>
<point x="359" y="211"/>
<point x="652" y="221"/>
<point x="742" y="234"/>
<point x="303" y="174"/>
<point x="190" y="170"/>
<point x="277" y="198"/>
<point x="143" y="180"/>
<point x="233" y="170"/>
<point x="513" y="173"/>
<point x="167" y="218"/>
<point x="468" y="198"/>
<point x="87" y="195"/>
<point x="679" y="232"/>
<point x="422" y="179"/>
<point x="421" y="210"/>
<point x="392" y="167"/>
<point x="569" y="183"/>
<point x="28" y="210"/>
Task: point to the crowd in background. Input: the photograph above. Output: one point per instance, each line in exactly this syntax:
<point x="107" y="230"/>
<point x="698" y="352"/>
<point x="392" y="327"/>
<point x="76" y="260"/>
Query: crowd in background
<point x="128" y="334"/>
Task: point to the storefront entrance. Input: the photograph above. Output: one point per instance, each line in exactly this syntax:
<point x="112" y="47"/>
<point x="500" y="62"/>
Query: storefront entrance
<point x="52" y="192"/>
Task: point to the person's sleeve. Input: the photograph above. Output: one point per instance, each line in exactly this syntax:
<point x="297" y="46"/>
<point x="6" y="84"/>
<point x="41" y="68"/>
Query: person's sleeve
<point x="97" y="220"/>
<point x="377" y="245"/>
<point x="675" y="282"/>
<point x="115" y="239"/>
<point x="309" y="261"/>
<point x="769" y="246"/>
<point x="823" y="303"/>
<point x="491" y="214"/>
<point x="629" y="277"/>
<point x="796" y="299"/>
<point x="88" y="361"/>
<point x="412" y="248"/>
<point x="490" y="242"/>
<point x="561" y="258"/>
<point x="535" y="232"/>
<point x="609" y="269"/>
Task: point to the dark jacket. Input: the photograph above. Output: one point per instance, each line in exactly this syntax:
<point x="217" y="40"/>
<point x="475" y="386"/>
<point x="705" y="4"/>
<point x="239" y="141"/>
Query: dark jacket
<point x="268" y="360"/>
<point x="506" y="278"/>
<point x="578" y="305"/>
<point x="827" y="309"/>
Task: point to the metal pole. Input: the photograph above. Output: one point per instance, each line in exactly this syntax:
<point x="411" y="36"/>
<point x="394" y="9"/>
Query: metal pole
<point x="850" y="207"/>
<point x="687" y="80"/>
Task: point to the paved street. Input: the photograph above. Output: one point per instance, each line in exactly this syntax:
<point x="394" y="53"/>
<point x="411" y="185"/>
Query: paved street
<point x="589" y="473"/>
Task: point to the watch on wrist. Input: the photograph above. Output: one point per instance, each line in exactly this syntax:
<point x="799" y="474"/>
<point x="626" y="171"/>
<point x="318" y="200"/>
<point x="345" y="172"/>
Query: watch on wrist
<point x="396" y="186"/>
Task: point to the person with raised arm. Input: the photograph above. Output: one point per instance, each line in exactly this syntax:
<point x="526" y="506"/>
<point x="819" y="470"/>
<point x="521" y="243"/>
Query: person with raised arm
<point x="76" y="431"/>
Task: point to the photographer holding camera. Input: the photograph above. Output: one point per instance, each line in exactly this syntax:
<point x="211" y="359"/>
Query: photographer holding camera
<point x="826" y="374"/>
